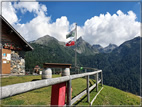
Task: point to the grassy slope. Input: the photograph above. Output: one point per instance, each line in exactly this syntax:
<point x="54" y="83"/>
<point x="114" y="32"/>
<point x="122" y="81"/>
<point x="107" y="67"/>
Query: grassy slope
<point x="108" y="96"/>
<point x="20" y="79"/>
<point x="112" y="96"/>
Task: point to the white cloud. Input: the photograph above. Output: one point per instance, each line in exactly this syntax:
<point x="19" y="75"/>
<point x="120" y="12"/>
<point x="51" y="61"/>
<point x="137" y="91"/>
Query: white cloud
<point x="4" y="1"/>
<point x="28" y="6"/>
<point x="40" y="25"/>
<point x="9" y="12"/>
<point x="103" y="29"/>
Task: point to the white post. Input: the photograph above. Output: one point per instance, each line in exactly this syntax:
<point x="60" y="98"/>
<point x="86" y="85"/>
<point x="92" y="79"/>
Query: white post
<point x="66" y="72"/>
<point x="46" y="74"/>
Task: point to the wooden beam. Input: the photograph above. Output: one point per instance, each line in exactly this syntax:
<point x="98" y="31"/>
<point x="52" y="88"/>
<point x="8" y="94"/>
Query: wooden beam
<point x="102" y="78"/>
<point x="56" y="65"/>
<point x="14" y="89"/>
<point x="97" y="82"/>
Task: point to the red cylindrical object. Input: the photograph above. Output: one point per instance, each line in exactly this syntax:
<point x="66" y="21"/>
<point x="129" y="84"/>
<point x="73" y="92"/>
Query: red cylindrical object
<point x="58" y="94"/>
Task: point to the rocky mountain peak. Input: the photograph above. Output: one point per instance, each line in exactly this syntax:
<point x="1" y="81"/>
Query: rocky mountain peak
<point x="80" y="39"/>
<point x="109" y="48"/>
<point x="97" y="46"/>
<point x="45" y="40"/>
<point x="112" y="45"/>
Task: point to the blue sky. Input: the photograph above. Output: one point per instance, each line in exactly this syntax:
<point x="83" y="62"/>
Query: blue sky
<point x="81" y="11"/>
<point x="98" y="22"/>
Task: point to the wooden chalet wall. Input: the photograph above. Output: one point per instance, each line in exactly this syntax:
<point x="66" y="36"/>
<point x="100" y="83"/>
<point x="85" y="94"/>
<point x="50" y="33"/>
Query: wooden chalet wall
<point x="6" y="63"/>
<point x="12" y="43"/>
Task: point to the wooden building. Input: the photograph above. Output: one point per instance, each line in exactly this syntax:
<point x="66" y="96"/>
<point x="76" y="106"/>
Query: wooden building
<point x="12" y="49"/>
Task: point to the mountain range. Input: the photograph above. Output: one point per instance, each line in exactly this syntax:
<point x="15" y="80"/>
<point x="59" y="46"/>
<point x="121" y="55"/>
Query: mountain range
<point x="83" y="47"/>
<point x="120" y="64"/>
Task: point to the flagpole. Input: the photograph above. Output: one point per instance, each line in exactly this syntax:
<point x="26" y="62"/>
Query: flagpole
<point x="76" y="45"/>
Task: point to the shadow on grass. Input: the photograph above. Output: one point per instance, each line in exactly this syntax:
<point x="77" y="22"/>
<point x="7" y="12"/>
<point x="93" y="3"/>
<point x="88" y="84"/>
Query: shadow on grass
<point x="80" y="100"/>
<point x="36" y="79"/>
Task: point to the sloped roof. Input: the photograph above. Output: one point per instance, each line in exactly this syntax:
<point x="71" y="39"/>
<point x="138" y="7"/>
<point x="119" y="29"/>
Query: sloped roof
<point x="11" y="36"/>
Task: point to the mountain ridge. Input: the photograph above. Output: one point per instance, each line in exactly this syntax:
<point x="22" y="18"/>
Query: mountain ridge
<point x="83" y="47"/>
<point x="121" y="67"/>
<point x="45" y="40"/>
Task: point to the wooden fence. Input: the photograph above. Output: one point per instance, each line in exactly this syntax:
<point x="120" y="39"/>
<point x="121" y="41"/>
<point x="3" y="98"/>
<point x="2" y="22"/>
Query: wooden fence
<point x="10" y="90"/>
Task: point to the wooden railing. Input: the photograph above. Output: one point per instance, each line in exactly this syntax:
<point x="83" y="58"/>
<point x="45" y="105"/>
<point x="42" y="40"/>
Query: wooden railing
<point x="10" y="90"/>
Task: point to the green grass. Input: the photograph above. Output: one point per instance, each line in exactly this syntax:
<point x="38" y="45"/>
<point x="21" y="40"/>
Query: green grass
<point x="36" y="97"/>
<point x="111" y="96"/>
<point x="42" y="96"/>
<point x="20" y="79"/>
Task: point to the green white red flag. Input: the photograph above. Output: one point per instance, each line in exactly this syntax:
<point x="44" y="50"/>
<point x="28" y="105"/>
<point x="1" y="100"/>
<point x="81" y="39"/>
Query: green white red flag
<point x="71" y="42"/>
<point x="71" y="36"/>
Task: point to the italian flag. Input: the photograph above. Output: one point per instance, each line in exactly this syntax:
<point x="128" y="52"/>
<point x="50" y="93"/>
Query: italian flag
<point x="71" y="36"/>
<point x="70" y="43"/>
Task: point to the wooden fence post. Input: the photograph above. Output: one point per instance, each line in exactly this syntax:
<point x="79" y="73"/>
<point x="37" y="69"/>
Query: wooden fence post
<point x="69" y="93"/>
<point x="78" y="70"/>
<point x="97" y="82"/>
<point x="102" y="78"/>
<point x="88" y="94"/>
<point x="66" y="72"/>
<point x="85" y="70"/>
<point x="53" y="70"/>
<point x="61" y="71"/>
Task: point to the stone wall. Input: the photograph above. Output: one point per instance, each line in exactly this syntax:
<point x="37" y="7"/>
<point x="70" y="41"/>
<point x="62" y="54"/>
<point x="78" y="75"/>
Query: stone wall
<point x="17" y="64"/>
